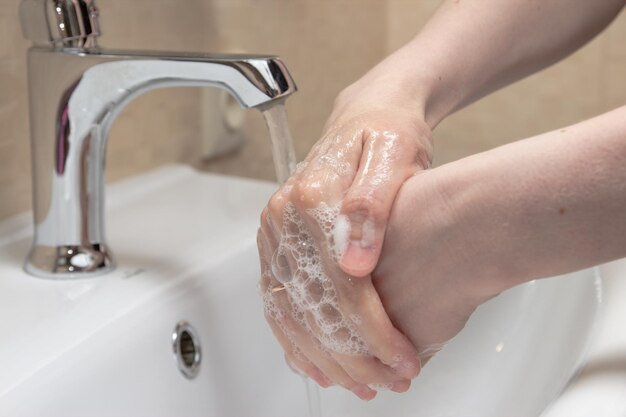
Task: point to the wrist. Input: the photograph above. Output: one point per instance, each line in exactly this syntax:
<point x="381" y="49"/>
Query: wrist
<point x="398" y="83"/>
<point x="391" y="84"/>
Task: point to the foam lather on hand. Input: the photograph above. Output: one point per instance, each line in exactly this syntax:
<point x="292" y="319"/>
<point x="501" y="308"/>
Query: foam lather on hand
<point x="297" y="264"/>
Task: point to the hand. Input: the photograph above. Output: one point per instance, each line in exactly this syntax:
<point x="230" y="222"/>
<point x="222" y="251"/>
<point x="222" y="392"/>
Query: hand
<point x="430" y="277"/>
<point x="461" y="233"/>
<point x="321" y="236"/>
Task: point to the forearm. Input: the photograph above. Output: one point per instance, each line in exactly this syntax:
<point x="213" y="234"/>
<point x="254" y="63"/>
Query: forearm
<point x="471" y="48"/>
<point x="461" y="233"/>
<point x="543" y="206"/>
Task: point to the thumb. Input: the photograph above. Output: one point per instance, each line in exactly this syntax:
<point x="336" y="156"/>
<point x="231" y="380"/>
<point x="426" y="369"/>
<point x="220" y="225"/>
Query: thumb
<point x="367" y="204"/>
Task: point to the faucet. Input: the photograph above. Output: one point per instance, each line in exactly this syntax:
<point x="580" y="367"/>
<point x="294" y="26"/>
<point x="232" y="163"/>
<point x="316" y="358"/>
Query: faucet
<point x="76" y="91"/>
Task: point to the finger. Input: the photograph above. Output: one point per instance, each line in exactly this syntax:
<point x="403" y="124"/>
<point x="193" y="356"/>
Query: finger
<point x="330" y="171"/>
<point x="369" y="370"/>
<point x="384" y="341"/>
<point x="273" y="313"/>
<point x="280" y="257"/>
<point x="399" y="387"/>
<point x="295" y="338"/>
<point x="313" y="351"/>
<point x="262" y="246"/>
<point x="296" y="365"/>
<point x="272" y="214"/>
<point x="347" y="315"/>
<point x="294" y="358"/>
<point x="359" y="302"/>
<point x="267" y="233"/>
<point x="363" y="368"/>
<point x="387" y="160"/>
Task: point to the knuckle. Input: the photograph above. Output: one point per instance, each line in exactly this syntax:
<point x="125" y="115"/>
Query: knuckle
<point x="276" y="204"/>
<point x="263" y="219"/>
<point x="267" y="231"/>
<point x="307" y="194"/>
<point x="260" y="243"/>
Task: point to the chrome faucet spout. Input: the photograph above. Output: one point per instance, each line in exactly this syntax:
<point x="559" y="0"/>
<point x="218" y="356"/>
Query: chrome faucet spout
<point x="76" y="92"/>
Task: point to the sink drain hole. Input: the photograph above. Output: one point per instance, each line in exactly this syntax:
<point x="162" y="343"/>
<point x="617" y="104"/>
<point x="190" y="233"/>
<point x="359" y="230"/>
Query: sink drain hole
<point x="186" y="344"/>
<point x="187" y="348"/>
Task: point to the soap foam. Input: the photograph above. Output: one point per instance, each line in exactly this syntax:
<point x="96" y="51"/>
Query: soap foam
<point x="277" y="315"/>
<point x="341" y="236"/>
<point x="311" y="292"/>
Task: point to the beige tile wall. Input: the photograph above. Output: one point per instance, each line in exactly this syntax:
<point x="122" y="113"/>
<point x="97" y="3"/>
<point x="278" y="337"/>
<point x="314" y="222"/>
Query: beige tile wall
<point x="162" y="126"/>
<point x="326" y="45"/>
<point x="14" y="148"/>
<point x="165" y="126"/>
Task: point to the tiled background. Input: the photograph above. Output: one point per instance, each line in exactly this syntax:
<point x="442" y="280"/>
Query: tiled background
<point x="326" y="45"/>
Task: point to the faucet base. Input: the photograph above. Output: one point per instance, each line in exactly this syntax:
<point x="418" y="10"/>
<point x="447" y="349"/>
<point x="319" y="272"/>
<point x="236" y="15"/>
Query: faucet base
<point x="69" y="262"/>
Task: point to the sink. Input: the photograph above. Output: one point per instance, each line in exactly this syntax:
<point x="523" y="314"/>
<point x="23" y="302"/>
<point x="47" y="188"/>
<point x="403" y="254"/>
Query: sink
<point x="185" y="244"/>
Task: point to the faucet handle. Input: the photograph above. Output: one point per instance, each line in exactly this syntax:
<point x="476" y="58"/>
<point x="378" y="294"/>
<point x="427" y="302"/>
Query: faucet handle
<point x="68" y="23"/>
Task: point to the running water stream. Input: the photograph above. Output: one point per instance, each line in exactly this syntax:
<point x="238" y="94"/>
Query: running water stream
<point x="282" y="143"/>
<point x="285" y="163"/>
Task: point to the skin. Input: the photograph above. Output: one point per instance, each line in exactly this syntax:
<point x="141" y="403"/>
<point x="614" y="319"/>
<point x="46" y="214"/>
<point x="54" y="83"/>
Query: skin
<point x="378" y="137"/>
<point x="539" y="207"/>
<point x="374" y="164"/>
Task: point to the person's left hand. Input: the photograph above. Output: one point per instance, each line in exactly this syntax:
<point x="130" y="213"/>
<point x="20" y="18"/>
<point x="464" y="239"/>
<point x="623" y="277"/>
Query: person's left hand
<point x="321" y="236"/>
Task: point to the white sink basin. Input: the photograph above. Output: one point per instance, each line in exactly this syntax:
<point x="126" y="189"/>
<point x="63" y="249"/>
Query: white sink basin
<point x="185" y="244"/>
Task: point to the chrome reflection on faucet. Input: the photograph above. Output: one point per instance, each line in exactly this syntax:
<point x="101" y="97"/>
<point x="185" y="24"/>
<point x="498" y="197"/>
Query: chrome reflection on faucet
<point x="76" y="91"/>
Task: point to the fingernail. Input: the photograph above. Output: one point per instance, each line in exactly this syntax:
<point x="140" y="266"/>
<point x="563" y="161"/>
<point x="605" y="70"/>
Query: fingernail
<point x="320" y="378"/>
<point x="358" y="257"/>
<point x="401" y="386"/>
<point x="325" y="382"/>
<point x="362" y="232"/>
<point x="364" y="393"/>
<point x="359" y="253"/>
<point x="406" y="369"/>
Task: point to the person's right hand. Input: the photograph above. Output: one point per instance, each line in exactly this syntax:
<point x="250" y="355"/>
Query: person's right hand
<point x="463" y="232"/>
<point x="429" y="276"/>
